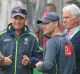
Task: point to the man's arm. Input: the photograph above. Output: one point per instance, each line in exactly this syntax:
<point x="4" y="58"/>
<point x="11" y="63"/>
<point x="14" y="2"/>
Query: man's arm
<point x="48" y="62"/>
<point x="37" y="53"/>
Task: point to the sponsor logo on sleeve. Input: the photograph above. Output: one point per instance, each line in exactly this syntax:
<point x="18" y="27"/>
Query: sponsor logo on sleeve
<point x="68" y="50"/>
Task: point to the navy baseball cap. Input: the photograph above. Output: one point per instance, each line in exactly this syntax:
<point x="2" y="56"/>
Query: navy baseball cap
<point x="19" y="11"/>
<point x="48" y="17"/>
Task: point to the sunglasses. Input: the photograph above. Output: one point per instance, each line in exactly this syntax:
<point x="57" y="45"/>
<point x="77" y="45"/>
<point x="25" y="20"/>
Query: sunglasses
<point x="22" y="11"/>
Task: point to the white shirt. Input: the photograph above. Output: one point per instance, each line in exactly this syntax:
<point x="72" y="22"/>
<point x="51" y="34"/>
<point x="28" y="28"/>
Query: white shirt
<point x="72" y="32"/>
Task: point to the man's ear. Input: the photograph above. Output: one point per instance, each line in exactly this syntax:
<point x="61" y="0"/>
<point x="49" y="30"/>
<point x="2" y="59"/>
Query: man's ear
<point x="77" y="18"/>
<point x="55" y="23"/>
<point x="27" y="21"/>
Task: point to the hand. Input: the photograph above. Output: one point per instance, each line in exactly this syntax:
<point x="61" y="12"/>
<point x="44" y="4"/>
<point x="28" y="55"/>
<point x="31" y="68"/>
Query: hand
<point x="1" y="57"/>
<point x="39" y="63"/>
<point x="7" y="60"/>
<point x="25" y="60"/>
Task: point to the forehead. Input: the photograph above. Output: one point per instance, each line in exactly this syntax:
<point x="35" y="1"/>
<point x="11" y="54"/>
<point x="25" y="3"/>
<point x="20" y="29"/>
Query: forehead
<point x="47" y="24"/>
<point x="18" y="16"/>
<point x="66" y="14"/>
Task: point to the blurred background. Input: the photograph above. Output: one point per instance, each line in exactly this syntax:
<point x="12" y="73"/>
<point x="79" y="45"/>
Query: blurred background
<point x="35" y="9"/>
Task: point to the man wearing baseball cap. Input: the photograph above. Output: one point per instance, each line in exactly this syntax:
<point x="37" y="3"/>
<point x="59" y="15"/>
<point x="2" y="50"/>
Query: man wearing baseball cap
<point x="47" y="18"/>
<point x="59" y="55"/>
<point x="19" y="47"/>
<point x="19" y="11"/>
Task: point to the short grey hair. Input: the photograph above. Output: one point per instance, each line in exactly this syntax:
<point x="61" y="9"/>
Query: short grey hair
<point x="73" y="9"/>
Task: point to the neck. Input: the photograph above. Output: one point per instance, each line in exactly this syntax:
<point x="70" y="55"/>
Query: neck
<point x="72" y="27"/>
<point x="56" y="32"/>
<point x="18" y="32"/>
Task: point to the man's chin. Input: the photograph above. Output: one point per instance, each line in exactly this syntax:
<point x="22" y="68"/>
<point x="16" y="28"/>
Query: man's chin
<point x="44" y="33"/>
<point x="18" y="29"/>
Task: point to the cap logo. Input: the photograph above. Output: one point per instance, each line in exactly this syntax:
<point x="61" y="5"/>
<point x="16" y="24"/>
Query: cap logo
<point x="45" y="14"/>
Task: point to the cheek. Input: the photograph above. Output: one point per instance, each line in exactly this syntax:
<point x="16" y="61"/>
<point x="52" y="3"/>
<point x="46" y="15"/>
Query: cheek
<point x="69" y="24"/>
<point x="70" y="21"/>
<point x="23" y="22"/>
<point x="12" y="20"/>
<point x="52" y="28"/>
<point x="43" y="26"/>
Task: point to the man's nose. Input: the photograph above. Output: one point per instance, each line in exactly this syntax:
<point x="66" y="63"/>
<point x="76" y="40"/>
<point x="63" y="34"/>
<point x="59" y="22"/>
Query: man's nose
<point x="17" y="21"/>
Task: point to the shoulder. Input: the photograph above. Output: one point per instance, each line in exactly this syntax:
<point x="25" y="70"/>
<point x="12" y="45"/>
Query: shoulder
<point x="64" y="39"/>
<point x="33" y="35"/>
<point x="3" y="32"/>
<point x="53" y="41"/>
<point x="77" y="35"/>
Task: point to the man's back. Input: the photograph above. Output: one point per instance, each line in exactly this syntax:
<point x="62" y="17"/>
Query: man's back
<point x="59" y="59"/>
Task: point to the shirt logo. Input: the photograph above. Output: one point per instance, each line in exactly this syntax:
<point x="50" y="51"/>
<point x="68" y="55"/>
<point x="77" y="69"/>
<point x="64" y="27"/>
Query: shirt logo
<point x="26" y="41"/>
<point x="45" y="15"/>
<point x="68" y="50"/>
<point x="7" y="40"/>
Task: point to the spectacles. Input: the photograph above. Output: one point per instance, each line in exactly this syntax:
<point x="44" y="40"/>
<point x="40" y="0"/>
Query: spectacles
<point x="22" y="11"/>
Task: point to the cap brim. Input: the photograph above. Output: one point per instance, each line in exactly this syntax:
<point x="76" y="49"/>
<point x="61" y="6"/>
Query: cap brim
<point x="18" y="14"/>
<point x="40" y="21"/>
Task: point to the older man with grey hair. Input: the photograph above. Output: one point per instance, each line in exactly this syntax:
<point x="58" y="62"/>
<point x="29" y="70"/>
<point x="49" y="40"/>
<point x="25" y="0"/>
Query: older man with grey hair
<point x="71" y="17"/>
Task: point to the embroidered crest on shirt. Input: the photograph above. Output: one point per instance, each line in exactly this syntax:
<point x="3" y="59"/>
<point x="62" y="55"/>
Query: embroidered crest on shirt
<point x="26" y="41"/>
